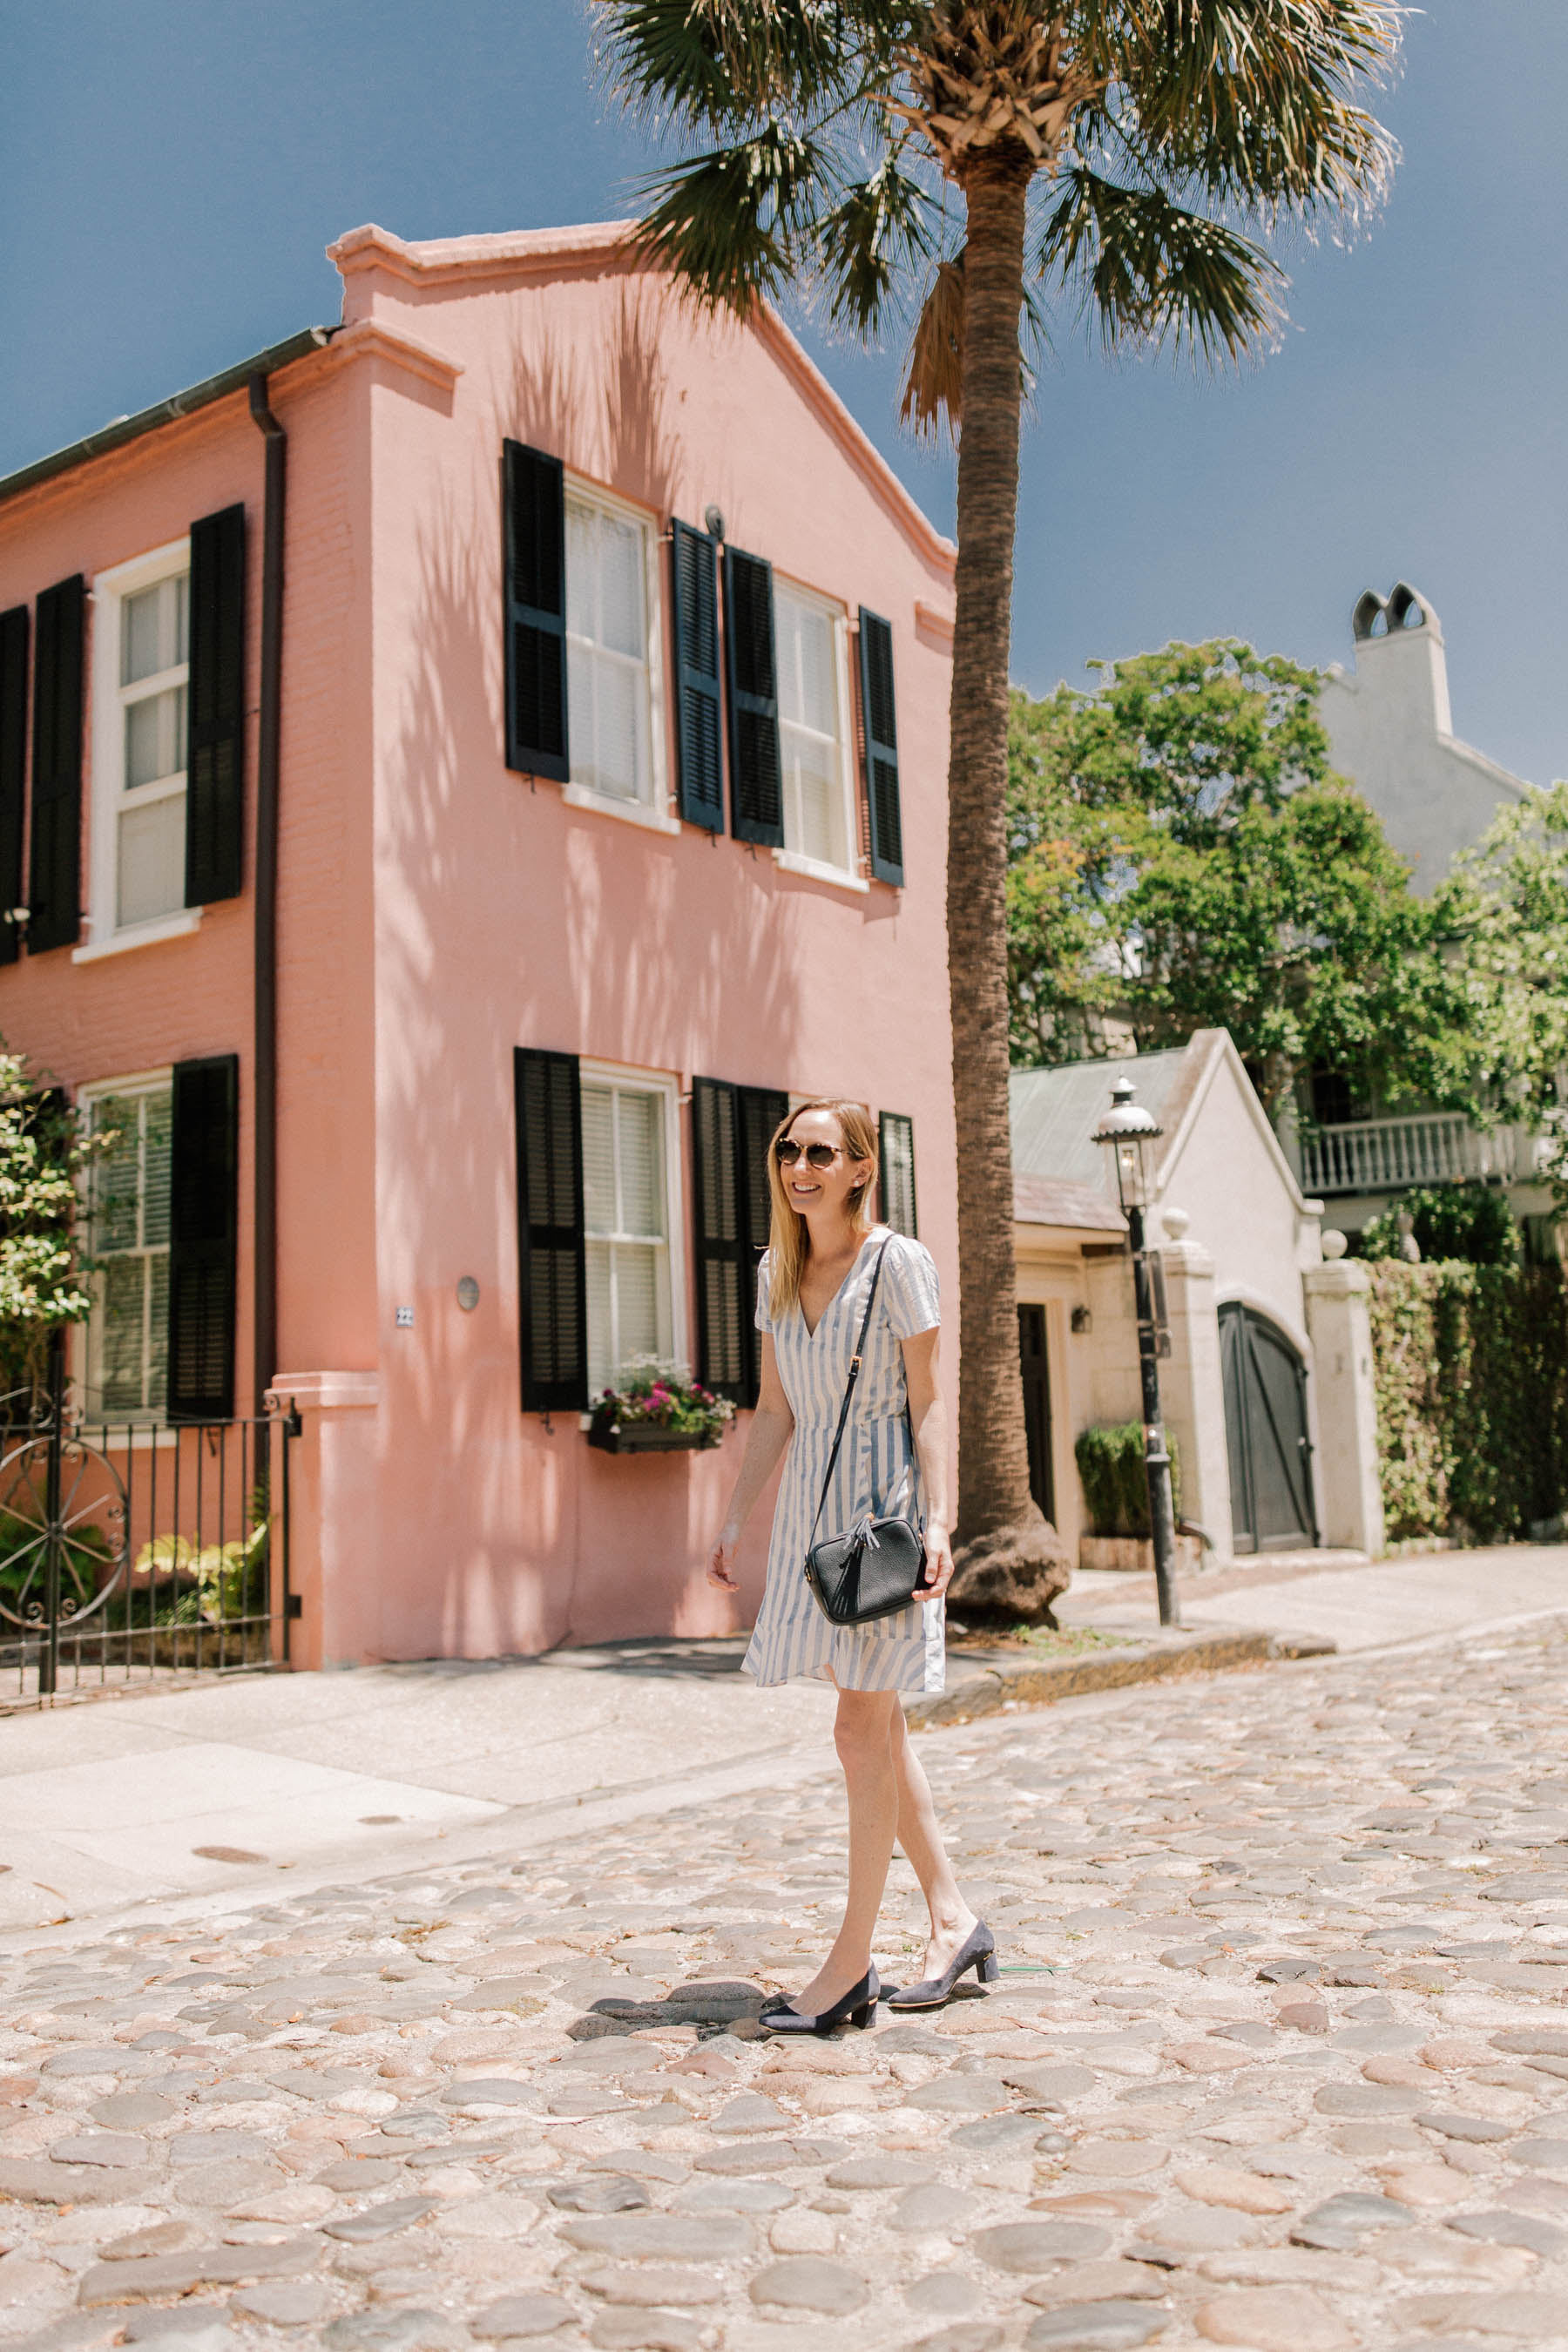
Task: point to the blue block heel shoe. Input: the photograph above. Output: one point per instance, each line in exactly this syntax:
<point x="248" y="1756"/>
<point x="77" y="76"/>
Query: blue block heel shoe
<point x="858" y="2005"/>
<point x="977" y="1951"/>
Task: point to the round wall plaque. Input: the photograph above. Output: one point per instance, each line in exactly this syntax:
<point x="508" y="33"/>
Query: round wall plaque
<point x="467" y="1294"/>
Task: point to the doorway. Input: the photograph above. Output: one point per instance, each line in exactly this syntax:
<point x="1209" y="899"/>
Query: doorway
<point x="1266" y="1433"/>
<point x="1034" y="1364"/>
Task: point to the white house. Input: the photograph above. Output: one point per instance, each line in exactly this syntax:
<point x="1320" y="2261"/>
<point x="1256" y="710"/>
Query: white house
<point x="1268" y="1386"/>
<point x="1392" y="732"/>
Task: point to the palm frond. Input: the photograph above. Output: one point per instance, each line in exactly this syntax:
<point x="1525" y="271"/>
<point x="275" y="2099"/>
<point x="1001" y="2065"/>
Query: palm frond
<point x="699" y="64"/>
<point x="869" y="242"/>
<point x="934" y="378"/>
<point x="1254" y="97"/>
<point x="1153" y="272"/>
<point x="729" y="224"/>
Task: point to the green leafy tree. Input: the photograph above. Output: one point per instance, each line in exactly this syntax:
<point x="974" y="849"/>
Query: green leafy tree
<point x="40" y="1281"/>
<point x="1506" y="905"/>
<point x="1471" y="1222"/>
<point x="1182" y="858"/>
<point x="970" y="160"/>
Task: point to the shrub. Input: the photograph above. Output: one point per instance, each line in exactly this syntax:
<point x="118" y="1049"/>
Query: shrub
<point x="1469" y="1221"/>
<point x="1115" y="1485"/>
<point x="1470" y="1368"/>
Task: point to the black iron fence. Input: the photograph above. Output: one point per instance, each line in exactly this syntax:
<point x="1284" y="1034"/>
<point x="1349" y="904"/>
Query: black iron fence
<point x="138" y="1551"/>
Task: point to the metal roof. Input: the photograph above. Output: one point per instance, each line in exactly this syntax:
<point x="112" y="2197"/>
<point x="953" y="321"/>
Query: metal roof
<point x="1056" y="1112"/>
<point x="179" y="404"/>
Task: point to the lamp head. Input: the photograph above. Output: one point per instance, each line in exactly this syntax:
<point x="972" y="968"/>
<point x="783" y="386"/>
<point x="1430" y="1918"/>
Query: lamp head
<point x="1130" y="1133"/>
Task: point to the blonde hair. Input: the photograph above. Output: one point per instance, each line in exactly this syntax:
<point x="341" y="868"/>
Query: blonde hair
<point x="789" y="1238"/>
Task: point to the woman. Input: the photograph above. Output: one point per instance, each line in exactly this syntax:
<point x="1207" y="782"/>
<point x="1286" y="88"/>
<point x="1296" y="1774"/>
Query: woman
<point x="812" y="1288"/>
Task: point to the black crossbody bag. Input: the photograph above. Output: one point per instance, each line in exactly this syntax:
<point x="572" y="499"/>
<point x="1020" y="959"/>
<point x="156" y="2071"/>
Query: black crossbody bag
<point x="873" y="1569"/>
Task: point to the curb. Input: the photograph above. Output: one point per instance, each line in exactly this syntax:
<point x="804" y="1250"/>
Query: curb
<point x="987" y="1689"/>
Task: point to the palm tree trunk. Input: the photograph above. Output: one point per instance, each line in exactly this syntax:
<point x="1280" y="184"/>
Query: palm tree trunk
<point x="993" y="1451"/>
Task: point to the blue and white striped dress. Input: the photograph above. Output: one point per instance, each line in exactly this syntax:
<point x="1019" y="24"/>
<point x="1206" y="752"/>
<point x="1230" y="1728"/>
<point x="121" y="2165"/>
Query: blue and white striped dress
<point x="793" y="1640"/>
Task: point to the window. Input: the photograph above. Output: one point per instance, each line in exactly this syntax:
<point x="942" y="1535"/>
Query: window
<point x="626" y="1225"/>
<point x="127" y="1225"/>
<point x="818" y="796"/>
<point x="141" y="629"/>
<point x="608" y="598"/>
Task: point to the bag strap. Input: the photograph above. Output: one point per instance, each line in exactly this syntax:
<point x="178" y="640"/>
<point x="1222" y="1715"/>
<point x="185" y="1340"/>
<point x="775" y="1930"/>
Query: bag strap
<point x="848" y="1390"/>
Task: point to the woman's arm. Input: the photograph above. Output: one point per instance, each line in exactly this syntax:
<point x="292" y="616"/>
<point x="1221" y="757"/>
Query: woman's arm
<point x="927" y="1416"/>
<point x="772" y="1426"/>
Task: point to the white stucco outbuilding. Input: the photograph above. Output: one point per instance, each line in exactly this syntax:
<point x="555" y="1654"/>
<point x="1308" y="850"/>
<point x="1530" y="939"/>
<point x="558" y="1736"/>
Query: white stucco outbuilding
<point x="1391" y="731"/>
<point x="1268" y="1386"/>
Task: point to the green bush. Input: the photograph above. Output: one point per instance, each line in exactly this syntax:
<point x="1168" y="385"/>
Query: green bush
<point x="1471" y="1367"/>
<point x="1469" y="1221"/>
<point x="1115" y="1485"/>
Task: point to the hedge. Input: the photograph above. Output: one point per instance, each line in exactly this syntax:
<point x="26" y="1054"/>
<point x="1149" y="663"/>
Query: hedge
<point x="1115" y="1482"/>
<point x="1470" y="1366"/>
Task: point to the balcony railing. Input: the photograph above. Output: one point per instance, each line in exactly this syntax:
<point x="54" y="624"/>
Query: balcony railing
<point x="1382" y="1155"/>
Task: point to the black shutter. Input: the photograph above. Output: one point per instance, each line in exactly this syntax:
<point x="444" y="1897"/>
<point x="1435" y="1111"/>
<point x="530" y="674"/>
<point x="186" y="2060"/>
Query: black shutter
<point x="54" y="881"/>
<point x="723" y="1310"/>
<point x="756" y="790"/>
<point x="534" y="523"/>
<point x="204" y="1229"/>
<point x="13" y="772"/>
<point x="730" y="1129"/>
<point x="895" y="1172"/>
<point x="215" y="757"/>
<point x="699" y="731"/>
<point x="552" y="1286"/>
<point x="881" y="728"/>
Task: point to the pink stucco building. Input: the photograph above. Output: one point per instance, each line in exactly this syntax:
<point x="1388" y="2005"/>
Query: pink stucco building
<point x="439" y="829"/>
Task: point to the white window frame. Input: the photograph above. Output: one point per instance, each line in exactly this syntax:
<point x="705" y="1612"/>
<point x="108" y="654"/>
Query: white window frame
<point x="88" y="1334"/>
<point x="654" y="813"/>
<point x="793" y="860"/>
<point x="666" y="1085"/>
<point x="105" y="934"/>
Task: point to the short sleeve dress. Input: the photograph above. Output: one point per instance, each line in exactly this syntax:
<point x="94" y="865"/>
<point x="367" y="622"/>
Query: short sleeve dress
<point x="793" y="1640"/>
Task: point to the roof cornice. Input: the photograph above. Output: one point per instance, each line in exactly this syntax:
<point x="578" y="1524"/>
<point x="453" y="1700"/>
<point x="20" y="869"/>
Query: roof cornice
<point x="606" y="247"/>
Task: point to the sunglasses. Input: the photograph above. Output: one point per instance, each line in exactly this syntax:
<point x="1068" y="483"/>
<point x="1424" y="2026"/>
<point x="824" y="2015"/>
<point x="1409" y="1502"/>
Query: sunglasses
<point x="817" y="1155"/>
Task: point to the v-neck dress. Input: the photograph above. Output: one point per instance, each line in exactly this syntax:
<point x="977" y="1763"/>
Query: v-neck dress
<point x="793" y="1640"/>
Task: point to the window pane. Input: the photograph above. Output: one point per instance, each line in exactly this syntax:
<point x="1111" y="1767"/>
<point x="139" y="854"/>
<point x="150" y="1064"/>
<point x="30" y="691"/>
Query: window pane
<point x="637" y="1301"/>
<point x="817" y="697"/>
<point x="620" y="587"/>
<point x="116" y="1175"/>
<point x="158" y="1331"/>
<point x="155" y="630"/>
<point x="598" y="1161"/>
<point x="642" y="1172"/>
<point x="152" y="860"/>
<point x="601" y="1365"/>
<point x="617" y="696"/>
<point x="582" y="572"/>
<point x="816" y="797"/>
<point x="156" y="738"/>
<point x="159" y="1111"/>
<point x="121" y="1334"/>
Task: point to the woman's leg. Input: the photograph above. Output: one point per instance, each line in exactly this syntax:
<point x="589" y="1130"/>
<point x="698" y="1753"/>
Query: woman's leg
<point x="919" y="1835"/>
<point x="863" y="1735"/>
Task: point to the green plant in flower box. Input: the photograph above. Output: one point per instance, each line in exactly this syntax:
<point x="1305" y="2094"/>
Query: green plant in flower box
<point x="654" y="1395"/>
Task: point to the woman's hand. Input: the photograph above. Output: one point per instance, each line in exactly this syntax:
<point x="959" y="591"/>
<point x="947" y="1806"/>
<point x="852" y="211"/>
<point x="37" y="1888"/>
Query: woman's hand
<point x="722" y="1559"/>
<point x="939" y="1562"/>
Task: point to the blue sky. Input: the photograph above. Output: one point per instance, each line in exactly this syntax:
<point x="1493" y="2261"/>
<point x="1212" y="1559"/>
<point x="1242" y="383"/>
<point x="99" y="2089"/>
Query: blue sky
<point x="170" y="172"/>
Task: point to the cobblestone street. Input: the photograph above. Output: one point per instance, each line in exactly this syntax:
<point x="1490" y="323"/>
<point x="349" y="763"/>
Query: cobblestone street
<point x="1277" y="2060"/>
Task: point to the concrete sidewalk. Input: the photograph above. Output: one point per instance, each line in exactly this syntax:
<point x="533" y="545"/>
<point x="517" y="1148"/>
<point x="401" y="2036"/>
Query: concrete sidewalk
<point x="209" y="1792"/>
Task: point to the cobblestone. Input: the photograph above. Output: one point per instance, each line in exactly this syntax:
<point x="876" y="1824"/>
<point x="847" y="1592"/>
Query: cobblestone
<point x="1275" y="2060"/>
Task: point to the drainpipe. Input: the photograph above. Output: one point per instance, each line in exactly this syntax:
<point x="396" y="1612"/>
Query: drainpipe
<point x="265" y="1315"/>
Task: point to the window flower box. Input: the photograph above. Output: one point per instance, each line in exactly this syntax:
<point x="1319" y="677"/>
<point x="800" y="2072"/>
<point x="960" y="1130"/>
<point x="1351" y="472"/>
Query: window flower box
<point x="647" y="1437"/>
<point x="657" y="1409"/>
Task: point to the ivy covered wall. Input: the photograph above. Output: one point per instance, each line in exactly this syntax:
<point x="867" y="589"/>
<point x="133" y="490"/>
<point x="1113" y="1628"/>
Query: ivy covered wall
<point x="1471" y="1364"/>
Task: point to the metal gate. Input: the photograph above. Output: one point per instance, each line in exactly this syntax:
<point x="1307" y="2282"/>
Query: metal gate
<point x="137" y="1551"/>
<point x="1033" y="1366"/>
<point x="1265" y="1434"/>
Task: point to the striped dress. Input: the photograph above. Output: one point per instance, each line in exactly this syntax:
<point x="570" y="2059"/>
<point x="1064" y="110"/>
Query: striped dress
<point x="793" y="1640"/>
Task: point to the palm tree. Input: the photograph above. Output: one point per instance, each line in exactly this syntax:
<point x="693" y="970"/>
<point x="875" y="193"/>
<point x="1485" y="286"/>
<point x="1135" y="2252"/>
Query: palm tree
<point x="997" y="163"/>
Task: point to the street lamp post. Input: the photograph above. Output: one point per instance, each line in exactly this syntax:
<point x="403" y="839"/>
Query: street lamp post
<point x="1129" y="1134"/>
